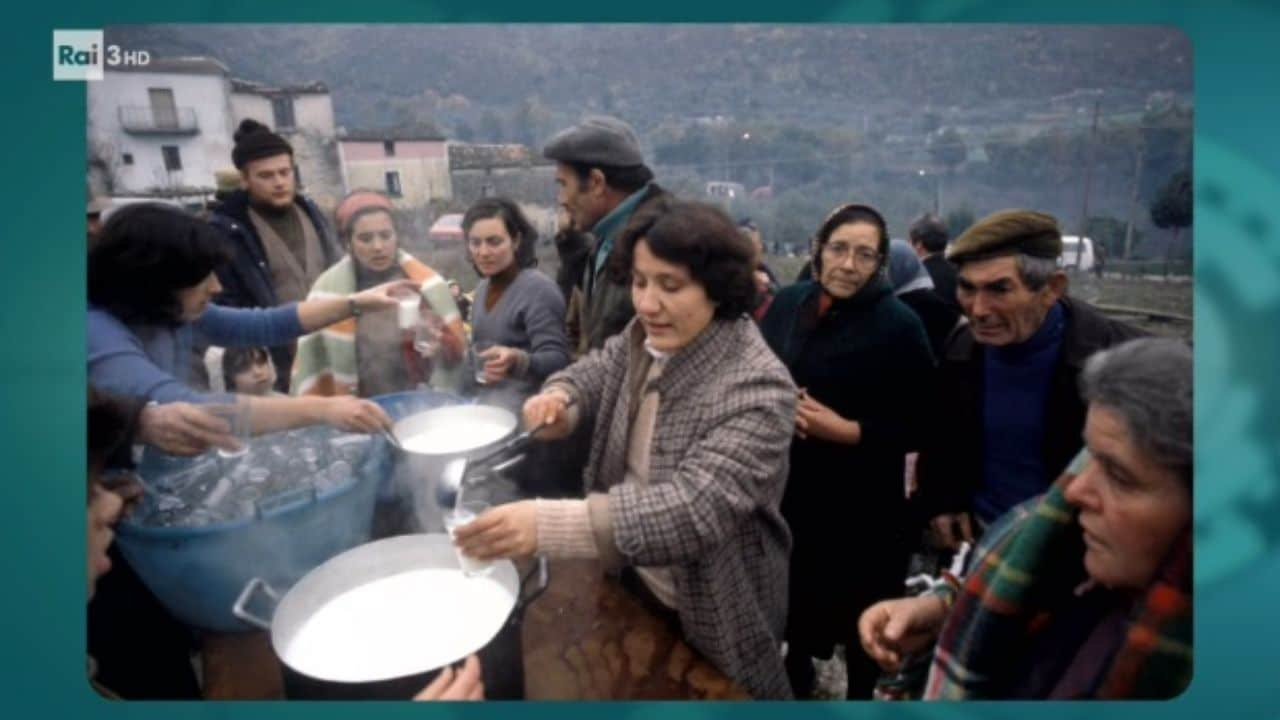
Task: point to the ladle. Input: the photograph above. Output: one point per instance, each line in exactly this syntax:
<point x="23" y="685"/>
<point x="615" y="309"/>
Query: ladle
<point x="391" y="438"/>
<point x="461" y="470"/>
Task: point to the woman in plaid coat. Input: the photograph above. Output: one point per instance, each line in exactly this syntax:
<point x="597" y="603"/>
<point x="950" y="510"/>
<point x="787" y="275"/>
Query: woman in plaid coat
<point x="692" y="417"/>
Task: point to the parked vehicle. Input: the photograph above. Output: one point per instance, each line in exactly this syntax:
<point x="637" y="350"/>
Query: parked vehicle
<point x="446" y="232"/>
<point x="1071" y="247"/>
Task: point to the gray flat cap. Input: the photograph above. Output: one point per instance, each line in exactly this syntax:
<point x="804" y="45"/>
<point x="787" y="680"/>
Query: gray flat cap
<point x="597" y="140"/>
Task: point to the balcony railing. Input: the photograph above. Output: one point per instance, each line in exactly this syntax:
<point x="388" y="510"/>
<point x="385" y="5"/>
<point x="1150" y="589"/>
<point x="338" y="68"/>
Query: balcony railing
<point x="145" y="120"/>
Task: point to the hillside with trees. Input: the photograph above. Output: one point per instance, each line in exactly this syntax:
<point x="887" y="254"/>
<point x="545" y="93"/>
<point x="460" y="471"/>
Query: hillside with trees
<point x="962" y="118"/>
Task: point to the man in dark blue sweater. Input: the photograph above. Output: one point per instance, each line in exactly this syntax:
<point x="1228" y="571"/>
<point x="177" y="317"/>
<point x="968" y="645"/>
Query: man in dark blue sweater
<point x="1010" y="414"/>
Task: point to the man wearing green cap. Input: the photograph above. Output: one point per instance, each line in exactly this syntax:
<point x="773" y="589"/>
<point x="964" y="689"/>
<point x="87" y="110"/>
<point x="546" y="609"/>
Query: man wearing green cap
<point x="1010" y="414"/>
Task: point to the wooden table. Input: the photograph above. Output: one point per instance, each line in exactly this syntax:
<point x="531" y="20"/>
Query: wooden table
<point x="585" y="638"/>
<point x="240" y="666"/>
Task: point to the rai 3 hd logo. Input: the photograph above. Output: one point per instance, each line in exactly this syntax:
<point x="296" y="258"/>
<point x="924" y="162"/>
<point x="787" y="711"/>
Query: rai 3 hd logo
<point x="82" y="55"/>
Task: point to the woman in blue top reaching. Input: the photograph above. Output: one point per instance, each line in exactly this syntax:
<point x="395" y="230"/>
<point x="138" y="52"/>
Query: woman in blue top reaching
<point x="151" y="282"/>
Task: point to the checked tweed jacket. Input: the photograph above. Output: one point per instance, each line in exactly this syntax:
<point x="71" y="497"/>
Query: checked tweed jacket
<point x="718" y="468"/>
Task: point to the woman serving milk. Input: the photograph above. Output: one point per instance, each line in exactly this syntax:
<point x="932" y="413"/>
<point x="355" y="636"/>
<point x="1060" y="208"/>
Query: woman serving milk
<point x="691" y="418"/>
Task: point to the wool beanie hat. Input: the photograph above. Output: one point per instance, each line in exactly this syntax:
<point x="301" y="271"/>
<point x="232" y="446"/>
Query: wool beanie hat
<point x="255" y="141"/>
<point x="355" y="202"/>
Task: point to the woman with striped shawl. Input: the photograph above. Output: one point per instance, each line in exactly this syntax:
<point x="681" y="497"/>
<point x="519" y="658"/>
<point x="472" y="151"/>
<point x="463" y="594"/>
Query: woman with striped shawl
<point x="370" y="355"/>
<point x="1085" y="591"/>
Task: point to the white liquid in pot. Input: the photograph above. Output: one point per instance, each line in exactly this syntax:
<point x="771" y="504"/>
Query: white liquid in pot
<point x="444" y="438"/>
<point x="400" y="625"/>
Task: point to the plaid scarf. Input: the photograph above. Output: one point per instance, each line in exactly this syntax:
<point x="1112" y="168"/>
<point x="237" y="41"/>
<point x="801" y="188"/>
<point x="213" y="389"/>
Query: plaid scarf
<point x="1002" y="607"/>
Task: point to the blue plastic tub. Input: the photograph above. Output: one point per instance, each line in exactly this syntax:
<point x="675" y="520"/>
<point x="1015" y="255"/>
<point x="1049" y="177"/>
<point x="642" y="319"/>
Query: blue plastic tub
<point x="197" y="572"/>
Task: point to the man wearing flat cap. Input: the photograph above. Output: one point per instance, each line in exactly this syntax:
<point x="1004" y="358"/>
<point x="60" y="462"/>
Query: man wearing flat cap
<point x="1010" y="415"/>
<point x="279" y="239"/>
<point x="601" y="181"/>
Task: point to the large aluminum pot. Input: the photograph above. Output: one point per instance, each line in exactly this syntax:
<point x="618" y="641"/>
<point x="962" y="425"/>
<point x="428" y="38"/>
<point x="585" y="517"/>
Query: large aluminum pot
<point x="431" y="438"/>
<point x="380" y="620"/>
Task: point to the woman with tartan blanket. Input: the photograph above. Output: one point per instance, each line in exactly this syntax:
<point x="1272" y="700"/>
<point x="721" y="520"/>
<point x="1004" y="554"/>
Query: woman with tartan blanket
<point x="1084" y="592"/>
<point x="370" y="355"/>
<point x="862" y="361"/>
<point x="691" y="418"/>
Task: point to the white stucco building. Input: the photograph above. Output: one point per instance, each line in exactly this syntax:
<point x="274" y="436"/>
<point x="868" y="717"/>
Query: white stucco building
<point x="409" y="165"/>
<point x="159" y="130"/>
<point x="164" y="129"/>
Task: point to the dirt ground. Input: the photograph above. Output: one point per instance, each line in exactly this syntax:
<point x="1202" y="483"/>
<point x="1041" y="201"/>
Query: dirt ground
<point x="1166" y="295"/>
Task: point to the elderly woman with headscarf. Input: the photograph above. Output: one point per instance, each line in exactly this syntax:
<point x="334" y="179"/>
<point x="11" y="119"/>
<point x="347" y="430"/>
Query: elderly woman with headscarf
<point x="370" y="355"/>
<point x="914" y="287"/>
<point x="1085" y="591"/>
<point x="862" y="362"/>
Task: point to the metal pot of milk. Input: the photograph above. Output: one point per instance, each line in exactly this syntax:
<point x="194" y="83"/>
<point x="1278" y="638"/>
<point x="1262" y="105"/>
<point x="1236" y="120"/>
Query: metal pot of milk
<point x="432" y="438"/>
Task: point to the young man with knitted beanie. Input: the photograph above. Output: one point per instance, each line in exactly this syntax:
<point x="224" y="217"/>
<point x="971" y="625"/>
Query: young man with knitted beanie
<point x="280" y="240"/>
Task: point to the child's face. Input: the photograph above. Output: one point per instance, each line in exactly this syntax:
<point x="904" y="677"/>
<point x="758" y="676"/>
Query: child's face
<point x="257" y="379"/>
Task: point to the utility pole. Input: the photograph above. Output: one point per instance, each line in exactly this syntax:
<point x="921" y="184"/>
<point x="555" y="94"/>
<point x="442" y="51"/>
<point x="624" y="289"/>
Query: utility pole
<point x="724" y="152"/>
<point x="1134" y="189"/>
<point x="927" y="176"/>
<point x="1088" y="180"/>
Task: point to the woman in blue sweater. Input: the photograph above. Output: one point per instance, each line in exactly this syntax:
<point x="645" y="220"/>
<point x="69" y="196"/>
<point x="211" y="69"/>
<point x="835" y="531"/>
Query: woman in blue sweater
<point x="151" y="282"/>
